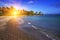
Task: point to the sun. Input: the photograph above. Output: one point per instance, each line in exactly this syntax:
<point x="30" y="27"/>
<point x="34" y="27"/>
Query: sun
<point x="15" y="13"/>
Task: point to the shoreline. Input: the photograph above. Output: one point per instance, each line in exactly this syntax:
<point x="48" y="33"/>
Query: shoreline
<point x="11" y="24"/>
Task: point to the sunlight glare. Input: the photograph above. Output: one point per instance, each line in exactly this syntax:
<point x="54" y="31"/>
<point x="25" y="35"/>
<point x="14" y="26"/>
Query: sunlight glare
<point x="15" y="13"/>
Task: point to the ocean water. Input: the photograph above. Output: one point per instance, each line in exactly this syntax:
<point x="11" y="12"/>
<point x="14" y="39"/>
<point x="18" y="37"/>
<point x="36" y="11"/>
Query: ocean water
<point x="50" y="23"/>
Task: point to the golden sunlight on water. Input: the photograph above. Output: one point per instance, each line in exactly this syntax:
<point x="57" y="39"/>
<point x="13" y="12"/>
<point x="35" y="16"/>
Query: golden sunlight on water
<point x="17" y="19"/>
<point x="14" y="20"/>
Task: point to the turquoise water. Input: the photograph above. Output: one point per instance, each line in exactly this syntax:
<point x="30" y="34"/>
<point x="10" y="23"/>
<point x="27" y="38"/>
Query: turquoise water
<point x="50" y="23"/>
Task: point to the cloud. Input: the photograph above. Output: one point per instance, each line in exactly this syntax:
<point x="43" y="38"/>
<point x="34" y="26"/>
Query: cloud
<point x="30" y="2"/>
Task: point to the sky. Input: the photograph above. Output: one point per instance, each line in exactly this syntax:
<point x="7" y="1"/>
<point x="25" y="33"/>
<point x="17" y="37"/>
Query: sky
<point x="45" y="6"/>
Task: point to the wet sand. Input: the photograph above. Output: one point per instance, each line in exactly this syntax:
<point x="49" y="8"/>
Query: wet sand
<point x="12" y="33"/>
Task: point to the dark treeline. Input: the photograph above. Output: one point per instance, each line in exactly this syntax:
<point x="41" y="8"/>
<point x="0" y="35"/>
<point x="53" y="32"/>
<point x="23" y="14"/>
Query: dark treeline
<point x="8" y="11"/>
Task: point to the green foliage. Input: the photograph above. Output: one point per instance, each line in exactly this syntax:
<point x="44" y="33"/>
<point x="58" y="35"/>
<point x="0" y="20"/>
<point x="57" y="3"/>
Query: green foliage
<point x="6" y="11"/>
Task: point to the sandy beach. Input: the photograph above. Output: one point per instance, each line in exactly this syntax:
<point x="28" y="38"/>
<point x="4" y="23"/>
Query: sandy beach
<point x="14" y="30"/>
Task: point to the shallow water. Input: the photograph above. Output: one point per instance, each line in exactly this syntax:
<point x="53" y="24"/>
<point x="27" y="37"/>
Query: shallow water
<point x="50" y="23"/>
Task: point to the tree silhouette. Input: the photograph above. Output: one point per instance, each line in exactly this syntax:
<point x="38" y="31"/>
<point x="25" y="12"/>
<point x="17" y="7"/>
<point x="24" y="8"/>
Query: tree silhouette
<point x="8" y="11"/>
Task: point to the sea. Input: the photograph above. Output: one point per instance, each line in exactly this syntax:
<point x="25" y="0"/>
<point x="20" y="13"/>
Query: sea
<point x="50" y="23"/>
<point x="47" y="24"/>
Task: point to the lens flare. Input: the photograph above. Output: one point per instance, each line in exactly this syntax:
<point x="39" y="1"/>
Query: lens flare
<point x="15" y="13"/>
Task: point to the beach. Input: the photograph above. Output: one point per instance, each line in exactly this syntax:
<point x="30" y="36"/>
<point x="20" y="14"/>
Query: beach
<point x="22" y="30"/>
